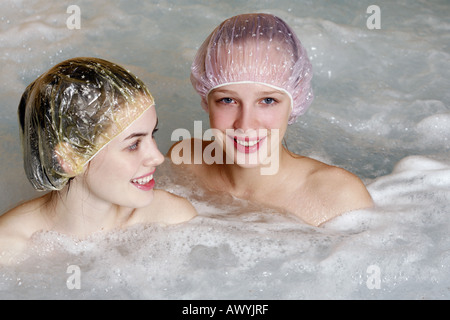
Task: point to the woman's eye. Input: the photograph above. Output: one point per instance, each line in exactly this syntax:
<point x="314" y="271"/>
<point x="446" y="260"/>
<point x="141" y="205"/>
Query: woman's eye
<point x="134" y="146"/>
<point x="268" y="100"/>
<point x="226" y="100"/>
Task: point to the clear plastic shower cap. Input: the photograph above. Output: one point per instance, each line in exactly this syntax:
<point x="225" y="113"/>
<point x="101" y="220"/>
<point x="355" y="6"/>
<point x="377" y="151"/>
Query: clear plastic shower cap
<point x="71" y="112"/>
<point x="258" y="48"/>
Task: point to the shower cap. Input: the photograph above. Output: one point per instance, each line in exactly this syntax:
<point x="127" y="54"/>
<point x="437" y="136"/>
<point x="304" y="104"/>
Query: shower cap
<point x="254" y="48"/>
<point x="68" y="114"/>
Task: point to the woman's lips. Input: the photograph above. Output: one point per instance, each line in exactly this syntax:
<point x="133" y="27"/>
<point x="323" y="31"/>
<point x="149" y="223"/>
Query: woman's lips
<point x="145" y="182"/>
<point x="247" y="144"/>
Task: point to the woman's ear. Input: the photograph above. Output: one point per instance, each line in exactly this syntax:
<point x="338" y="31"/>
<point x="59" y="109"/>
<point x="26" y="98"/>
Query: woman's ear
<point x="68" y="159"/>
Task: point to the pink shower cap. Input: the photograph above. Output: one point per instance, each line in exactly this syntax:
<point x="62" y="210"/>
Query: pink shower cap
<point x="254" y="48"/>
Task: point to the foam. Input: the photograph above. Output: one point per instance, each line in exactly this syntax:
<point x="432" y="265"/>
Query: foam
<point x="261" y="254"/>
<point x="435" y="130"/>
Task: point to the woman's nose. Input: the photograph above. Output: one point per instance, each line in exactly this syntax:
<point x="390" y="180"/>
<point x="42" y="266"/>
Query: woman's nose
<point x="246" y="119"/>
<point x="153" y="157"/>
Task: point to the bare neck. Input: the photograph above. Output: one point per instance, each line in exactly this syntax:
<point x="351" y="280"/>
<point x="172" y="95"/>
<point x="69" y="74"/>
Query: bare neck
<point x="248" y="183"/>
<point x="76" y="211"/>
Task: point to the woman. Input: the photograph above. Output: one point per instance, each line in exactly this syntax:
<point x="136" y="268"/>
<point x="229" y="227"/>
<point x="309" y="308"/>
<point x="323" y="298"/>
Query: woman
<point x="87" y="130"/>
<point x="253" y="76"/>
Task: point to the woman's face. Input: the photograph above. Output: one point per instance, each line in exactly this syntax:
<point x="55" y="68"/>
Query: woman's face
<point x="251" y="120"/>
<point x="122" y="172"/>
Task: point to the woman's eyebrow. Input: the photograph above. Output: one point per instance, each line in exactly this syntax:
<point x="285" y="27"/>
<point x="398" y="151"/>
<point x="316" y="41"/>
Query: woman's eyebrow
<point x="270" y="92"/>
<point x="224" y="91"/>
<point x="141" y="134"/>
<point x="136" y="134"/>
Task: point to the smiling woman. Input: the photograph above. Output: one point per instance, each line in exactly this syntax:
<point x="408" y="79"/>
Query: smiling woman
<point x="133" y="157"/>
<point x="87" y="130"/>
<point x="253" y="76"/>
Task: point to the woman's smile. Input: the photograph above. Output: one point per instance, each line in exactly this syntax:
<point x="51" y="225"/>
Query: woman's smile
<point x="145" y="182"/>
<point x="247" y="144"/>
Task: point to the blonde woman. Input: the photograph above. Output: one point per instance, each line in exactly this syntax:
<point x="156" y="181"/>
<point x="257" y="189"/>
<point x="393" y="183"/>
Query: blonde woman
<point x="253" y="76"/>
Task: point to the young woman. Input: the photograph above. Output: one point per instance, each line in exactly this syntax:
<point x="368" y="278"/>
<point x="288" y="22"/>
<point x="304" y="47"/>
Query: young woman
<point x="253" y="76"/>
<point x="87" y="130"/>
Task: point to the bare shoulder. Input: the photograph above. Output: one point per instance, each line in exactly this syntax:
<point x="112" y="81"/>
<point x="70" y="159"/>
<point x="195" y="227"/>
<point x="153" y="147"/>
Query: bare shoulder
<point x="12" y="245"/>
<point x="341" y="185"/>
<point x="168" y="208"/>
<point x="335" y="191"/>
<point x="24" y="219"/>
<point x="16" y="227"/>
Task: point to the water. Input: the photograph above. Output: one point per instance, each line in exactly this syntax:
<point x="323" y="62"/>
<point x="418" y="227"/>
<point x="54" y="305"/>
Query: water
<point x="382" y="111"/>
